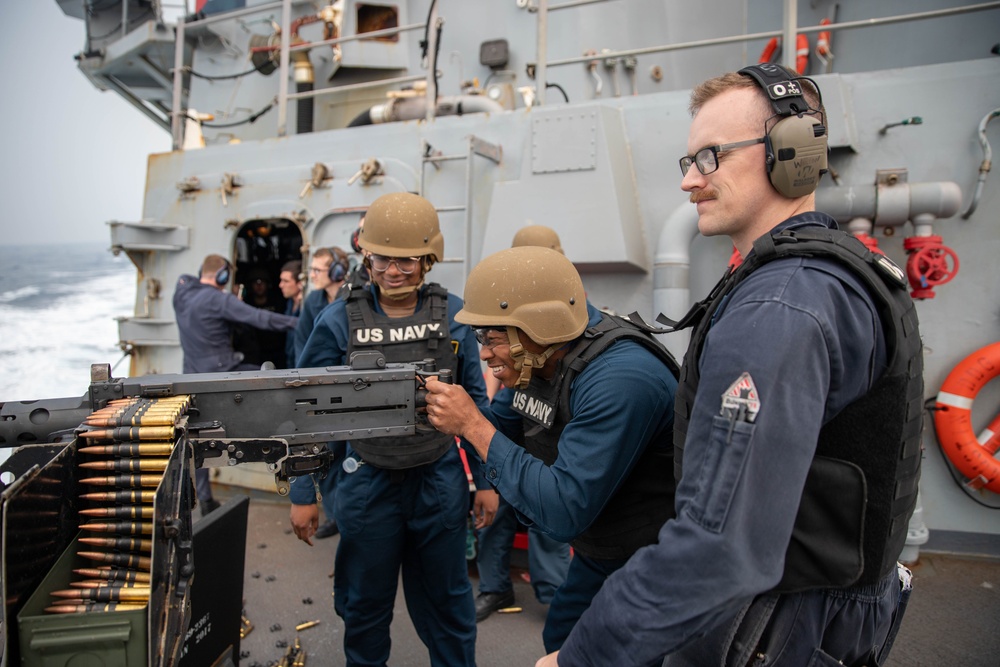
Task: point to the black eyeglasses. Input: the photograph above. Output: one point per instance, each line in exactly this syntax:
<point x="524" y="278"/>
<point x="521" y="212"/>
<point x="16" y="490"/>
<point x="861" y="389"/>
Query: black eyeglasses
<point x="405" y="265"/>
<point x="707" y="159"/>
<point x="483" y="336"/>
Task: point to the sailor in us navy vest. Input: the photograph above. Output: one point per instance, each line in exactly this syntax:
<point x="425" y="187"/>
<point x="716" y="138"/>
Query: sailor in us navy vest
<point x="584" y="449"/>
<point x="401" y="503"/>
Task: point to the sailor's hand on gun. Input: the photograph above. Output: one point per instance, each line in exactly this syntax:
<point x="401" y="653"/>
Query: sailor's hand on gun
<point x="305" y="521"/>
<point x="451" y="410"/>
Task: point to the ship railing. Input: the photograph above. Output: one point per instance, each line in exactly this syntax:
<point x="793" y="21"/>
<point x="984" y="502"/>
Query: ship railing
<point x="542" y="9"/>
<point x="788" y="33"/>
<point x="286" y="49"/>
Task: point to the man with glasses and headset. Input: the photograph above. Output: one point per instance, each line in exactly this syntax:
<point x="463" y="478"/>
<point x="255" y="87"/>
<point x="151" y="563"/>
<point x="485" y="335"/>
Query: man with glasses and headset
<point x="584" y="450"/>
<point x="798" y="416"/>
<point x="402" y="503"/>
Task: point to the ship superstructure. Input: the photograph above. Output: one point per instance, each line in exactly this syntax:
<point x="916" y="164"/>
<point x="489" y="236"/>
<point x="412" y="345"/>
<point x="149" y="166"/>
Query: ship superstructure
<point x="288" y="118"/>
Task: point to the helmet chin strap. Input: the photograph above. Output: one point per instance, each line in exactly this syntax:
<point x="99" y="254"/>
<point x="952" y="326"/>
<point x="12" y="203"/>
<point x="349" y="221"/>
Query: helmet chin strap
<point x="400" y="293"/>
<point x="525" y="361"/>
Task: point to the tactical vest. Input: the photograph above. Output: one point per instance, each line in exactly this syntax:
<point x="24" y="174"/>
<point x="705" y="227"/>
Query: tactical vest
<point x="862" y="485"/>
<point x="645" y="501"/>
<point x="423" y="335"/>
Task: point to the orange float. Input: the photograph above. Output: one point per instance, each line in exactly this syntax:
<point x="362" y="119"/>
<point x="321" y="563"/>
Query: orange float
<point x="801" y="52"/>
<point x="974" y="457"/>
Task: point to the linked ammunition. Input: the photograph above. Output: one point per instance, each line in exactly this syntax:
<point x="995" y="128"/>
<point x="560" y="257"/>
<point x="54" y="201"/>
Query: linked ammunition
<point x="130" y="496"/>
<point x="131" y="433"/>
<point x="104" y="583"/>
<point x="246" y="627"/>
<point x="128" y="465"/>
<point x="68" y="607"/>
<point x="131" y="449"/>
<point x="122" y="512"/>
<point x="108" y="573"/>
<point x="151" y="418"/>
<point x="120" y="527"/>
<point x="106" y="594"/>
<point x="121" y="560"/>
<point x="125" y="481"/>
<point x="120" y="543"/>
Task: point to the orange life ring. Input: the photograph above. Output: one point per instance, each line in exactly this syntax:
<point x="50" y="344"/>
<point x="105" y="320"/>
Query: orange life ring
<point x="953" y="418"/>
<point x="768" y="52"/>
<point x="823" y="40"/>
<point x="801" y="52"/>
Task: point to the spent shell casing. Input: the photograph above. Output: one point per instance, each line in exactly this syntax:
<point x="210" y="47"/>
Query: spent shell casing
<point x="122" y="512"/>
<point x="89" y="606"/>
<point x="130" y="496"/>
<point x="307" y="624"/>
<point x="109" y="573"/>
<point x="120" y="527"/>
<point x="121" y="560"/>
<point x="120" y="543"/>
<point x="131" y="433"/>
<point x="124" y="481"/>
<point x="107" y="594"/>
<point x="509" y="610"/>
<point x="131" y="449"/>
<point x="128" y="465"/>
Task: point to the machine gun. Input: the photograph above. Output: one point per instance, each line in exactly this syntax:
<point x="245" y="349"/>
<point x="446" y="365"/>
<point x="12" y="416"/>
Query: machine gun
<point x="281" y="418"/>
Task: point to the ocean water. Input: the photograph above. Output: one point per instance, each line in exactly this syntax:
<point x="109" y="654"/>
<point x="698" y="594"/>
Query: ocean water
<point x="58" y="305"/>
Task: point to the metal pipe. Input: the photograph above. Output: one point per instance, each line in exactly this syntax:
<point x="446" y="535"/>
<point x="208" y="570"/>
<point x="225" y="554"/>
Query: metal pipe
<point x="671" y="271"/>
<point x="235" y="14"/>
<point x="573" y="3"/>
<point x="791" y="20"/>
<point x="984" y="166"/>
<point x="286" y="41"/>
<point x="363" y="35"/>
<point x="176" y="126"/>
<point x="541" y="65"/>
<point x="902" y="18"/>
<point x="357" y="86"/>
<point x="467" y="263"/>
<point x="432" y="44"/>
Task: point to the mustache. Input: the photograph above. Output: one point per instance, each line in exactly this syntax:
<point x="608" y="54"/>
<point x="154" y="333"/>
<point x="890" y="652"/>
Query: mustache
<point x="702" y="195"/>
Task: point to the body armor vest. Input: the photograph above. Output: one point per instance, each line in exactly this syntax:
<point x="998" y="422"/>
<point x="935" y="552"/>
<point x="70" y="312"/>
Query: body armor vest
<point x="645" y="501"/>
<point x="862" y="485"/>
<point x="423" y="335"/>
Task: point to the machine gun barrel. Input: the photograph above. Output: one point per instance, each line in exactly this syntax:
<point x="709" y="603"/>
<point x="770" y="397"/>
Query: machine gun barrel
<point x="282" y="418"/>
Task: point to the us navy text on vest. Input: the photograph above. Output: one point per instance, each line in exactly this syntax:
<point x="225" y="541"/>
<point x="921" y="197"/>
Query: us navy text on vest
<point x="534" y="408"/>
<point x="397" y="334"/>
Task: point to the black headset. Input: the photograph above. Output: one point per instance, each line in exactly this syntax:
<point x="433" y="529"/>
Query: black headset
<point x="796" y="146"/>
<point x="339" y="268"/>
<point x="221" y="276"/>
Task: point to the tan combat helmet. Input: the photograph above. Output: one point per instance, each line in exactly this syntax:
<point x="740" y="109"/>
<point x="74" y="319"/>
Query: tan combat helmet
<point x="537" y="235"/>
<point x="401" y="224"/>
<point x="531" y="289"/>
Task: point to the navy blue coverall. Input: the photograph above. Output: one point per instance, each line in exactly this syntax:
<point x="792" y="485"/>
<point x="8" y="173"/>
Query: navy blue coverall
<point x="417" y="524"/>
<point x="807" y="333"/>
<point x="620" y="402"/>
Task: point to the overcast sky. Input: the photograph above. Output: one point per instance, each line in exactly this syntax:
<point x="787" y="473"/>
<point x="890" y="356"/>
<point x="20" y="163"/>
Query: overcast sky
<point x="74" y="157"/>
